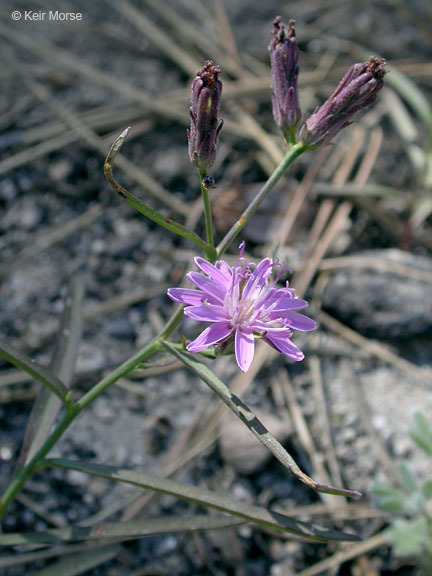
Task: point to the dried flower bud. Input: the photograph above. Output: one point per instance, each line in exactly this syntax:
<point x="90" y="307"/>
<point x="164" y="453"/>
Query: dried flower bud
<point x="205" y="125"/>
<point x="284" y="56"/>
<point x="357" y="90"/>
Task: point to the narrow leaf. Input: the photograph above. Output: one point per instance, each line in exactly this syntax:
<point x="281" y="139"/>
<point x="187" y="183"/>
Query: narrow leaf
<point x="161" y="220"/>
<point x="118" y="531"/>
<point x="207" y="498"/>
<point x="38" y="372"/>
<point x="239" y="408"/>
<point x="77" y="564"/>
<point x="141" y="206"/>
<point x="10" y="559"/>
<point x="46" y="406"/>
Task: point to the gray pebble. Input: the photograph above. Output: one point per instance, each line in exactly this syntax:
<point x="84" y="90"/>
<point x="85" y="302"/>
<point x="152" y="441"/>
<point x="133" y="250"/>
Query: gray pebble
<point x="382" y="304"/>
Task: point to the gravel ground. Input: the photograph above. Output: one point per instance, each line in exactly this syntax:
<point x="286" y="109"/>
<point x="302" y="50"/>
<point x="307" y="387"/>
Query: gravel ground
<point x="59" y="220"/>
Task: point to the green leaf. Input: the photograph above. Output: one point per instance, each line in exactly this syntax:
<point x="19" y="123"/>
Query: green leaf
<point x="388" y="498"/>
<point x="414" y="504"/>
<point x="206" y="498"/>
<point x="38" y="372"/>
<point x="407" y="478"/>
<point x="426" y="489"/>
<point x="118" y="531"/>
<point x="162" y="220"/>
<point x="46" y="405"/>
<point x="39" y="552"/>
<point x="141" y="206"/>
<point x="77" y="564"/>
<point x="409" y="537"/>
<point x="421" y="433"/>
<point x="249" y="419"/>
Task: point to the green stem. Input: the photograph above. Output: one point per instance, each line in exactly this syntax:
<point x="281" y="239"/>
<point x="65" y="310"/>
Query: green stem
<point x="292" y="153"/>
<point x="28" y="470"/>
<point x="72" y="410"/>
<point x="207" y="210"/>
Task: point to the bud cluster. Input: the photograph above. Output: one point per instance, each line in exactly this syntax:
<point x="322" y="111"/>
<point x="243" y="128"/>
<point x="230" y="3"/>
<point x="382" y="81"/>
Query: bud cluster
<point x="357" y="91"/>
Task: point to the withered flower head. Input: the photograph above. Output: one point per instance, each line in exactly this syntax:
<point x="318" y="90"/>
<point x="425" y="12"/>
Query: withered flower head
<point x="357" y="90"/>
<point x="284" y="55"/>
<point x="205" y="125"/>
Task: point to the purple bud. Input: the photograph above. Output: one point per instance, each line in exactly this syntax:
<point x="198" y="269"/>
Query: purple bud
<point x="357" y="90"/>
<point x="284" y="55"/>
<point x="205" y="125"/>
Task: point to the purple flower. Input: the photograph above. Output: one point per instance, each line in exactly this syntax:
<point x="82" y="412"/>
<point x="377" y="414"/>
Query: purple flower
<point x="242" y="302"/>
<point x="284" y="55"/>
<point x="205" y="125"/>
<point x="357" y="90"/>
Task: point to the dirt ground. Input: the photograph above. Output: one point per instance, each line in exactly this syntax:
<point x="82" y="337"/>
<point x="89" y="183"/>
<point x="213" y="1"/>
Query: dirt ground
<point x="355" y="219"/>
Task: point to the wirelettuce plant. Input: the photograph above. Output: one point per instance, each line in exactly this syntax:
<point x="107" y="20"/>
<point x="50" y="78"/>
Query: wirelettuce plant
<point x="240" y="303"/>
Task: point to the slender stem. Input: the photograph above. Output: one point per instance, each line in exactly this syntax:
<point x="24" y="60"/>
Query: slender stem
<point x="28" y="470"/>
<point x="292" y="153"/>
<point x="72" y="410"/>
<point x="207" y="208"/>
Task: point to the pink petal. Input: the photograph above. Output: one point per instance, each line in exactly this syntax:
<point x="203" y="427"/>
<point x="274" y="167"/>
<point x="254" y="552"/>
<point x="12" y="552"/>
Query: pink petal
<point x="214" y="290"/>
<point x="294" y="320"/>
<point x="186" y="296"/>
<point x="207" y="313"/>
<point x="210" y="336"/>
<point x="244" y="348"/>
<point x="288" y="303"/>
<point x="212" y="271"/>
<point x="224" y="269"/>
<point x="285" y="298"/>
<point x="258" y="278"/>
<point x="285" y="346"/>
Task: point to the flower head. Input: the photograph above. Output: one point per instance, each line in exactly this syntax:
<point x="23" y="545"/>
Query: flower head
<point x="357" y="90"/>
<point x="205" y="125"/>
<point x="242" y="302"/>
<point x="284" y="55"/>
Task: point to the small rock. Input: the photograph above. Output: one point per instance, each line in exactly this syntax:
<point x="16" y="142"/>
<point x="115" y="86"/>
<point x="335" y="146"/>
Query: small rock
<point x="60" y="170"/>
<point x="30" y="216"/>
<point x="121" y="328"/>
<point x="241" y="449"/>
<point x="8" y="190"/>
<point x="104" y="409"/>
<point x="382" y="304"/>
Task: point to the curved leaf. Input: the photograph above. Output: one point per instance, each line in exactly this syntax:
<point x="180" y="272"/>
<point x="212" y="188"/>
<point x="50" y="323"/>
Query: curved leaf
<point x="118" y="531"/>
<point x="46" y="406"/>
<point x="251" y="421"/>
<point x="207" y="498"/>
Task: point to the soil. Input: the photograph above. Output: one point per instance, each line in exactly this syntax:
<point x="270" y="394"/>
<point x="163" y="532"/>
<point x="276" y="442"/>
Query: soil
<point x="60" y="220"/>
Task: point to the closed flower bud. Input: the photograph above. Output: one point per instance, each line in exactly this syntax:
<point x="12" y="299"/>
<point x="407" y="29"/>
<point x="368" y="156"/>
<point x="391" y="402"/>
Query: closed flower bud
<point x="357" y="90"/>
<point x="205" y="125"/>
<point x="284" y="56"/>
